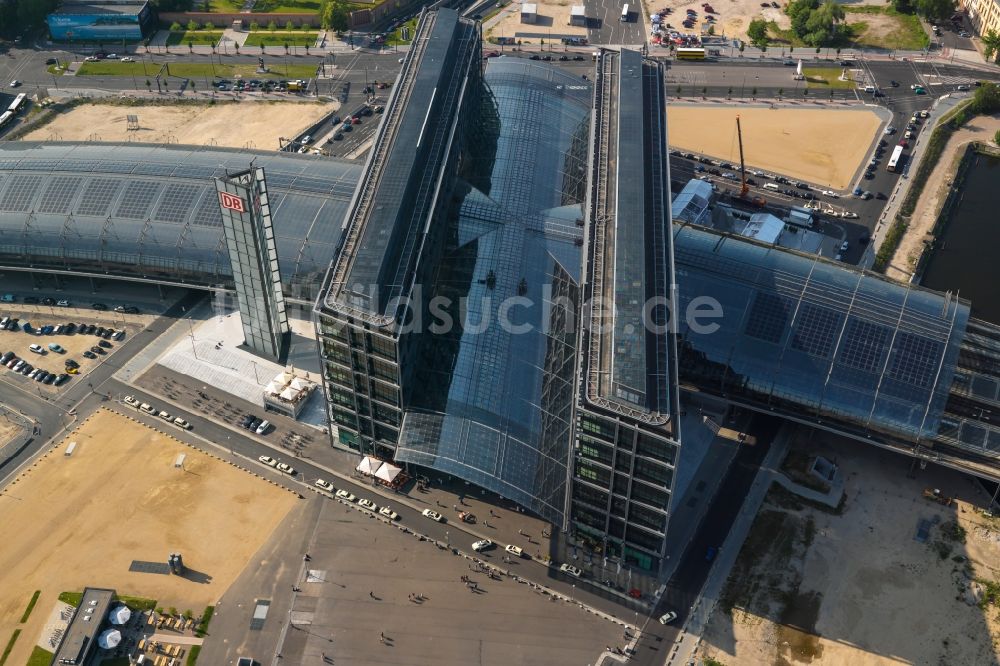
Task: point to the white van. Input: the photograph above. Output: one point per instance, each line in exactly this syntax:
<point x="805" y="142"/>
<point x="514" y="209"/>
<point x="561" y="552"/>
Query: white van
<point x="869" y="89"/>
<point x="262" y="428"/>
<point x="771" y="186"/>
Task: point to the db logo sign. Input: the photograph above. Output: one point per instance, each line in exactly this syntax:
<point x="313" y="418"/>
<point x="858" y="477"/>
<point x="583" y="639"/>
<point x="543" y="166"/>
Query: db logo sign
<point x="232" y="202"/>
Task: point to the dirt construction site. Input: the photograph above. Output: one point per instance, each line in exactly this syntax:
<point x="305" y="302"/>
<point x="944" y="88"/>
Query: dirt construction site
<point x="232" y="124"/>
<point x="890" y="576"/>
<point x="72" y="521"/>
<point x="795" y="142"/>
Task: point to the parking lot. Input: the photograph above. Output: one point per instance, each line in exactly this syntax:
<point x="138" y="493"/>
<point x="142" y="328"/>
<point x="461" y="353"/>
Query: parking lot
<point x="69" y="341"/>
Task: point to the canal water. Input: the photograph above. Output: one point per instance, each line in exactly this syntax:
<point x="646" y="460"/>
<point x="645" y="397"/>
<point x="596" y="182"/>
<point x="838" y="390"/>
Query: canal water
<point x="965" y="260"/>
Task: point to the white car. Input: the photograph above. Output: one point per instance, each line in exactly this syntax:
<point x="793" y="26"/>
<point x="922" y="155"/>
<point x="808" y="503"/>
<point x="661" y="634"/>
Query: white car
<point x="148" y="408"/>
<point x="181" y="423"/>
<point x="889" y="130"/>
<point x="570" y="569"/>
<point x="433" y="515"/>
<point x="516" y="551"/>
<point x="325" y="485"/>
<point x="36" y="348"/>
<point x="844" y="246"/>
<point x="165" y="416"/>
<point x="131" y="402"/>
<point x="268" y="460"/>
<point x="481" y="545"/>
<point x="90" y="59"/>
<point x="368" y="504"/>
<point x="667" y="618"/>
<point x="63" y="303"/>
<point x="849" y="215"/>
<point x="287" y="469"/>
<point x="829" y="193"/>
<point x="262" y="428"/>
<point x="15" y="83"/>
<point x="389" y="513"/>
<point x="344" y="495"/>
<point x="128" y="59"/>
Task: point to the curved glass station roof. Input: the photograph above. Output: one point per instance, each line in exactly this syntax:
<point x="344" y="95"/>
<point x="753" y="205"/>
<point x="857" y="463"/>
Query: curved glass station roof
<point x="494" y="406"/>
<point x="809" y="337"/>
<point x="146" y="211"/>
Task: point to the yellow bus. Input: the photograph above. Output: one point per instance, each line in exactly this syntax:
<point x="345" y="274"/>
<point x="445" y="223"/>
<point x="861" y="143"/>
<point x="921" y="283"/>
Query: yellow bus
<point x="690" y="54"/>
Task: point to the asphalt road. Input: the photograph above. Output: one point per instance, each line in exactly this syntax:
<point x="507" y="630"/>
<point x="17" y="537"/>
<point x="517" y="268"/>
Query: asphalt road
<point x="606" y="27"/>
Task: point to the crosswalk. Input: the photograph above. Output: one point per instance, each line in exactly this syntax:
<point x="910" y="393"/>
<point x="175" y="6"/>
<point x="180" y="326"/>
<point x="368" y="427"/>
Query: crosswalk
<point x="946" y="80"/>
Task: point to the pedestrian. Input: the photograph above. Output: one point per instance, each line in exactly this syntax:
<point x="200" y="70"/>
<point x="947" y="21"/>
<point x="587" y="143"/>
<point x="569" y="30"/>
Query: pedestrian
<point x="520" y="532"/>
<point x="492" y="515"/>
<point x="372" y="594"/>
<point x="381" y="637"/>
<point x="486" y="522"/>
<point x="456" y="507"/>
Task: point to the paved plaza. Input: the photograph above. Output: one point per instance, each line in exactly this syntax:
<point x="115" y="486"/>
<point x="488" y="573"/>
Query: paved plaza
<point x="356" y="603"/>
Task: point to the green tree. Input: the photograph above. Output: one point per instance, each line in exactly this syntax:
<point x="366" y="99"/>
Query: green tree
<point x="996" y="138"/>
<point x="757" y="32"/>
<point x="209" y="25"/>
<point x="335" y="15"/>
<point x="175" y="27"/>
<point x="272" y="26"/>
<point x="306" y="25"/>
<point x="254" y="26"/>
<point x="289" y="26"/>
<point x="991" y="45"/>
<point x="711" y="29"/>
<point x="986" y="99"/>
<point x="192" y="25"/>
<point x="934" y="10"/>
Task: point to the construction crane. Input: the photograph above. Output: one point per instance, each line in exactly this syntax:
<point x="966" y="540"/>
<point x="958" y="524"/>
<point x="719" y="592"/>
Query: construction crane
<point x="759" y="202"/>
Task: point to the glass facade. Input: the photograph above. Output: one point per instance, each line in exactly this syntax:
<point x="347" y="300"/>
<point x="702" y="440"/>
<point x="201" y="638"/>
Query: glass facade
<point x="246" y="220"/>
<point x="144" y="211"/>
<point x="809" y="338"/>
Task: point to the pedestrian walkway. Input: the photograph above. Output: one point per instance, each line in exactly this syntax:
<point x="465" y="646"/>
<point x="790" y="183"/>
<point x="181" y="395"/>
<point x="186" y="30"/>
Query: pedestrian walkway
<point x="701" y="611"/>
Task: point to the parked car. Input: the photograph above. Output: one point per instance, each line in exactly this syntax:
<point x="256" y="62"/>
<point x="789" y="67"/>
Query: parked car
<point x="516" y="551"/>
<point x="99" y="306"/>
<point x="668" y="617"/>
<point x="36" y="348"/>
<point x="61" y="379"/>
<point x="325" y="485"/>
<point x="89" y="354"/>
<point x="287" y="469"/>
<point x="262" y="427"/>
<point x="181" y="423"/>
<point x="433" y="515"/>
<point x="368" y="504"/>
<point x="389" y="513"/>
<point x="571" y="570"/>
<point x="345" y="495"/>
<point x="268" y="460"/>
<point x="63" y="303"/>
<point x="56" y="348"/>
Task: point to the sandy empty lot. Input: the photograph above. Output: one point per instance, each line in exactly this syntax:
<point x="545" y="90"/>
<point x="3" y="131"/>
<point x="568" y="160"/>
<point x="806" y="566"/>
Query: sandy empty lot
<point x="7" y="430"/>
<point x="70" y="522"/>
<point x="855" y="587"/>
<point x="234" y="124"/>
<point x="794" y="142"/>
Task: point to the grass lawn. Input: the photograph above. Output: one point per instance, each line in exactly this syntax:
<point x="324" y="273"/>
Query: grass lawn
<point x="396" y="39"/>
<point x="196" y="71"/>
<point x="193" y="655"/>
<point x="905" y="31"/>
<point x="287" y="6"/>
<point x="10" y="646"/>
<point x="280" y="38"/>
<point x="40" y="657"/>
<point x="116" y="661"/>
<point x="199" y="37"/>
<point x="218" y="6"/>
<point x="31" y="606"/>
<point x="71" y="598"/>
<point x="825" y="77"/>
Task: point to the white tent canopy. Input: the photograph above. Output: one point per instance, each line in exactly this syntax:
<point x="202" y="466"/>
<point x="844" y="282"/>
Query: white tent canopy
<point x="387" y="472"/>
<point x="120" y="615"/>
<point x="109" y="639"/>
<point x="299" y="384"/>
<point x="289" y="393"/>
<point x="273" y="388"/>
<point x="368" y="465"/>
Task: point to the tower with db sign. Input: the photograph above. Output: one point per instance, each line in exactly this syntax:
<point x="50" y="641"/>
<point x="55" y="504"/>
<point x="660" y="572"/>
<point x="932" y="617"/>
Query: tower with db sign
<point x="246" y="219"/>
